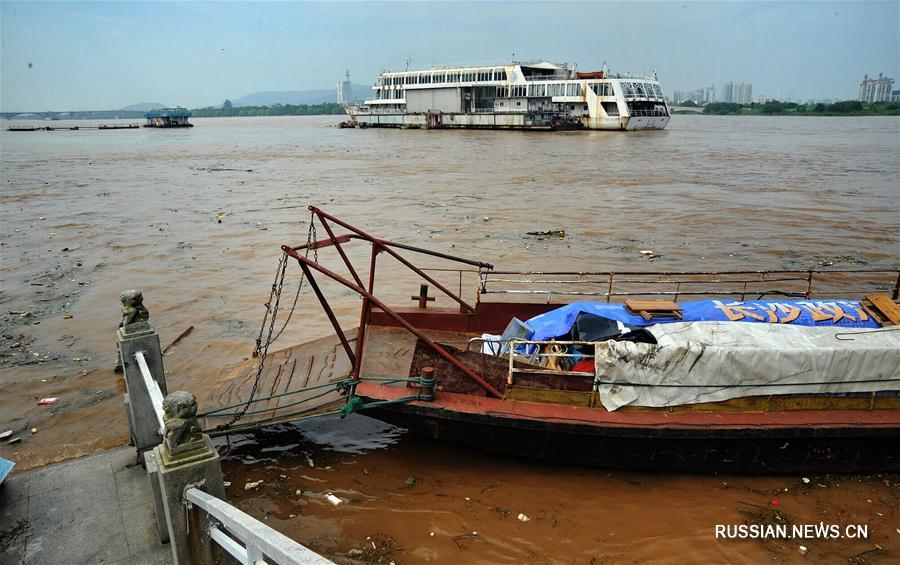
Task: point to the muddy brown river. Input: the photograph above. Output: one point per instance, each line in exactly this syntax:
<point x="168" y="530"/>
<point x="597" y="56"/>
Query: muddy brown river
<point x="195" y="218"/>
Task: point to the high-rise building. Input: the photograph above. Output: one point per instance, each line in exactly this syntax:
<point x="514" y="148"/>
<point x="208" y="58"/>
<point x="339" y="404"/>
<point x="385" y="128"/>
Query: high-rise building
<point x="710" y="94"/>
<point x="875" y="89"/>
<point x="345" y="90"/>
<point x="743" y="92"/>
<point x="728" y="92"/>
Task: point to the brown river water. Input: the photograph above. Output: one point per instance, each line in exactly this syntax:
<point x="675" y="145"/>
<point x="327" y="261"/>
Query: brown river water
<point x="195" y="218"/>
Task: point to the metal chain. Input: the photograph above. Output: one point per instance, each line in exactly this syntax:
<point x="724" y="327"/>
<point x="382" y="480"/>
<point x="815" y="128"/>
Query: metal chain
<point x="310" y="239"/>
<point x="262" y="349"/>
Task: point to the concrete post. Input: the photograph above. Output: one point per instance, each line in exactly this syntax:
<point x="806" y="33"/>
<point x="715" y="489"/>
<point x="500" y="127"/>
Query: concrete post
<point x="162" y="526"/>
<point x="199" y="468"/>
<point x="142" y="418"/>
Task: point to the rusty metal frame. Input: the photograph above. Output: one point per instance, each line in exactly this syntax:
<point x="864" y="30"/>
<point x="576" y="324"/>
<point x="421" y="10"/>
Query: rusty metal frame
<point x="484" y="270"/>
<point x="369" y="299"/>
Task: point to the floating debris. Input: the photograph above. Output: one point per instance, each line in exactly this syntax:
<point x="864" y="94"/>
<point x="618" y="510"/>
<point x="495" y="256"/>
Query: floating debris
<point x="333" y="499"/>
<point x="561" y="234"/>
<point x="252" y="485"/>
<point x="523" y="518"/>
<point x="45" y="401"/>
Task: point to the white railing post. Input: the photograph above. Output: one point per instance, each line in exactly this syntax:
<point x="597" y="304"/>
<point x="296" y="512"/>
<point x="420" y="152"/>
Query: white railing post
<point x="247" y="539"/>
<point x="156" y="397"/>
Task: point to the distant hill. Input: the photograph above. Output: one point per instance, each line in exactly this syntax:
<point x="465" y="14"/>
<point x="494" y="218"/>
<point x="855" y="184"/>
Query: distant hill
<point x="143" y="107"/>
<point x="298" y="96"/>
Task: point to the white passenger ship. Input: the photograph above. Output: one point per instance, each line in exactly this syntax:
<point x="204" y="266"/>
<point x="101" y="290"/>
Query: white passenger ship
<point x="543" y="95"/>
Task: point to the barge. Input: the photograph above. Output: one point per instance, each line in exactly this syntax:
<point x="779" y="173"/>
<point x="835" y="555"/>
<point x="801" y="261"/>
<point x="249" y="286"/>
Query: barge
<point x="168" y="118"/>
<point x="739" y="372"/>
<point x="523" y="96"/>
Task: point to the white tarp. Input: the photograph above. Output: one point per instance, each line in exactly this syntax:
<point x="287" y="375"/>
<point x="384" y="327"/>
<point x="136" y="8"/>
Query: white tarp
<point x="794" y="359"/>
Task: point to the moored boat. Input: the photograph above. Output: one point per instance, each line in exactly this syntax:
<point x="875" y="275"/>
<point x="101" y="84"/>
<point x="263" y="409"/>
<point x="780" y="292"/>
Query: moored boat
<point x="524" y="96"/>
<point x="759" y="371"/>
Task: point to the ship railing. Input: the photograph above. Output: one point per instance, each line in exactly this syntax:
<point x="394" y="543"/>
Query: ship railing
<point x="648" y="113"/>
<point x="548" y="354"/>
<point x="548" y="78"/>
<point x="804" y="284"/>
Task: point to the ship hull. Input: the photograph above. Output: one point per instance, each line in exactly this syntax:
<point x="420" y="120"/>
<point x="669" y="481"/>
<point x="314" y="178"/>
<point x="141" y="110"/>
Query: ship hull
<point x="763" y="450"/>
<point x="501" y="121"/>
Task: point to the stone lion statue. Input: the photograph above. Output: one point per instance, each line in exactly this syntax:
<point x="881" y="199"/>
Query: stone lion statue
<point x="180" y="419"/>
<point x="133" y="310"/>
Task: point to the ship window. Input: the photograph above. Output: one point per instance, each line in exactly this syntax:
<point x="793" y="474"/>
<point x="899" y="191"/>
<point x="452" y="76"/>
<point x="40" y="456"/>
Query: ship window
<point x="518" y="103"/>
<point x="501" y="103"/>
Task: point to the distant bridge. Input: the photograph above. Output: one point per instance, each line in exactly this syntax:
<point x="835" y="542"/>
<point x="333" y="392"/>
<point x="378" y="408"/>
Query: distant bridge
<point x="693" y="109"/>
<point x="79" y="115"/>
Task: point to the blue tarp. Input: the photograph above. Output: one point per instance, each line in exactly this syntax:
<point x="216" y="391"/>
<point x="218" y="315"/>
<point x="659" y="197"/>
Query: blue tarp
<point x="6" y="467"/>
<point x="841" y="313"/>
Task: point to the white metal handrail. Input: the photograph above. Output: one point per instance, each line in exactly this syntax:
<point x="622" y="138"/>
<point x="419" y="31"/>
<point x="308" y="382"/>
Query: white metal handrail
<point x="156" y="397"/>
<point x="538" y="353"/>
<point x="255" y="540"/>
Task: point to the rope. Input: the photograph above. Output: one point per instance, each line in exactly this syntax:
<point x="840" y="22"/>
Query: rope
<point x="354" y="404"/>
<point x="744" y="385"/>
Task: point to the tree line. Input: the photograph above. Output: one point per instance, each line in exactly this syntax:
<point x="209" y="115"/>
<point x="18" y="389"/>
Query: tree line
<point x="775" y="107"/>
<point x="227" y="110"/>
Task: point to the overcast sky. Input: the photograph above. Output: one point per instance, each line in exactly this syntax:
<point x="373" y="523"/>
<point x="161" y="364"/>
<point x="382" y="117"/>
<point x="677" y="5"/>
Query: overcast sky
<point x="106" y="55"/>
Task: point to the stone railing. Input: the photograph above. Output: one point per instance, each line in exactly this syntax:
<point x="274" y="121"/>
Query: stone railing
<point x="183" y="465"/>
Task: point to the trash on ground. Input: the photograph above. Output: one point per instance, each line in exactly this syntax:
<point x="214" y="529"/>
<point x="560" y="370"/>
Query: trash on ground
<point x="523" y="518"/>
<point x="45" y="401"/>
<point x="333" y="499"/>
<point x="5" y="434"/>
<point x="252" y="485"/>
<point x="411" y="480"/>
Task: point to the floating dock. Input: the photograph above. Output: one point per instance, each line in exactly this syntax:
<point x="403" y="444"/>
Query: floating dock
<point x="73" y="128"/>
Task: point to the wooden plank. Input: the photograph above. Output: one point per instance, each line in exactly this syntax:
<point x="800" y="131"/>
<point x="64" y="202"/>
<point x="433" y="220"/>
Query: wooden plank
<point x="886" y="308"/>
<point x="651" y="305"/>
<point x="648" y="309"/>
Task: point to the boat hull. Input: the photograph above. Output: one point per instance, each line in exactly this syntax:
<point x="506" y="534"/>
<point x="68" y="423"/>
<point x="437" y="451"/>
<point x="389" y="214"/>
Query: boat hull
<point x="762" y="450"/>
<point x="504" y="121"/>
